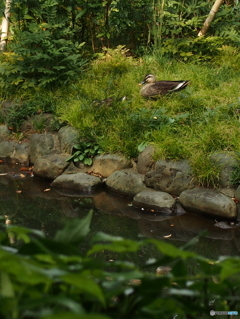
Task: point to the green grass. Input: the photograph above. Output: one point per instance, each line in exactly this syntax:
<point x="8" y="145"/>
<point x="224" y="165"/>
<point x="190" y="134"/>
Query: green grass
<point x="191" y="124"/>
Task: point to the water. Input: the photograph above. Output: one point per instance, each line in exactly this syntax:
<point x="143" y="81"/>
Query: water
<point x="29" y="202"/>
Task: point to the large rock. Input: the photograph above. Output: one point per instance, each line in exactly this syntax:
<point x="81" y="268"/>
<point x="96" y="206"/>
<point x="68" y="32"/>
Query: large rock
<point x="4" y="132"/>
<point x="208" y="201"/>
<point x="41" y="145"/>
<point x="7" y="148"/>
<point x="171" y="177"/>
<point x="78" y="182"/>
<point x="50" y="166"/>
<point x="68" y="136"/>
<point x="227" y="164"/>
<point x="106" y="164"/>
<point x="145" y="162"/>
<point x="20" y="154"/>
<point x="126" y="182"/>
<point x="15" y="153"/>
<point x="154" y="200"/>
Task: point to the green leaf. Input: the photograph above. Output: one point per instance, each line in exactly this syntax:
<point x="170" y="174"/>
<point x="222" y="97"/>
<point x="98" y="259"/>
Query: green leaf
<point x="85" y="285"/>
<point x="124" y="245"/>
<point x="75" y="230"/>
<point x="142" y="146"/>
<point x="172" y="251"/>
<point x="28" y="17"/>
<point x="88" y="161"/>
<point x="81" y="13"/>
<point x="100" y="236"/>
<point x="230" y="266"/>
<point x="6" y="288"/>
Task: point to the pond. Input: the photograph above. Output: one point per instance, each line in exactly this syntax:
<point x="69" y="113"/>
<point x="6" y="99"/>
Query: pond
<point x="32" y="203"/>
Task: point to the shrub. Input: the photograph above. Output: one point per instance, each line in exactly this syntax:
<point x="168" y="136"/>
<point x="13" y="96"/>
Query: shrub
<point x="50" y="278"/>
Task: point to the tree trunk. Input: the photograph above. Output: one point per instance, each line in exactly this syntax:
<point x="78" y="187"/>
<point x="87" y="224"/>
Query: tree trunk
<point x="210" y="17"/>
<point x="5" y="25"/>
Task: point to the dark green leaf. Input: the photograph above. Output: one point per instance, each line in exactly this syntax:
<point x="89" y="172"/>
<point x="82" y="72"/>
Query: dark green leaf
<point x="75" y="230"/>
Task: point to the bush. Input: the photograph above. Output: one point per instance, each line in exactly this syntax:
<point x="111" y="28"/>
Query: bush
<point x="50" y="279"/>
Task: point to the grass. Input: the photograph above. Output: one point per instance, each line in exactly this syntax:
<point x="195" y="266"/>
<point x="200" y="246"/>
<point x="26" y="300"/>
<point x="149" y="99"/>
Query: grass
<point x="191" y="124"/>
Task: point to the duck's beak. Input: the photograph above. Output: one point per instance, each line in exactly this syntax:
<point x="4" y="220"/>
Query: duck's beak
<point x="141" y="83"/>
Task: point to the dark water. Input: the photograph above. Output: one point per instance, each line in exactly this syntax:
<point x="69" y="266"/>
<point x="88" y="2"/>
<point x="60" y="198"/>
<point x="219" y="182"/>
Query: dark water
<point x="29" y="202"/>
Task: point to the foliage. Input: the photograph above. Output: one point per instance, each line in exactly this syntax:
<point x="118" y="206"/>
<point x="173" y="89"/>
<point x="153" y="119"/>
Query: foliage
<point x="23" y="106"/>
<point x="49" y="278"/>
<point x="84" y="152"/>
<point x="41" y="51"/>
<point x="177" y="24"/>
<point x="45" y="47"/>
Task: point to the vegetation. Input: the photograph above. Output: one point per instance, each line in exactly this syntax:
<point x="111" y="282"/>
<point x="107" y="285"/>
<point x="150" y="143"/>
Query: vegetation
<point x="84" y="152"/>
<point x="50" y="278"/>
<point x="64" y="57"/>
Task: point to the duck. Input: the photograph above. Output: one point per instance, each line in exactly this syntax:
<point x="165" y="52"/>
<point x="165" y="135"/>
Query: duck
<point x="153" y="88"/>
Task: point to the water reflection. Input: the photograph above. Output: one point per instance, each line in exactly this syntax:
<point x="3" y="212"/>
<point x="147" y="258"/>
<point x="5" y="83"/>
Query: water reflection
<point x="32" y="203"/>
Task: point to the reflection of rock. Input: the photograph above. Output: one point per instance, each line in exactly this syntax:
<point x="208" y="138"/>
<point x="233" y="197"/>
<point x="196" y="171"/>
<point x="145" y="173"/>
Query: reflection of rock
<point x="113" y="204"/>
<point x="108" y="203"/>
<point x="184" y="228"/>
<point x="67" y="208"/>
<point x="199" y="224"/>
<point x="208" y="201"/>
<point x="126" y="182"/>
<point x="155" y="229"/>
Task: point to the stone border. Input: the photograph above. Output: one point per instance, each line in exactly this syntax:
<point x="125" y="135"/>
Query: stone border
<point x="153" y="185"/>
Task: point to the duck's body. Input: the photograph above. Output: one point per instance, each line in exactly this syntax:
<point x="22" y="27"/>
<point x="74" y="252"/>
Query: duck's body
<point x="152" y="88"/>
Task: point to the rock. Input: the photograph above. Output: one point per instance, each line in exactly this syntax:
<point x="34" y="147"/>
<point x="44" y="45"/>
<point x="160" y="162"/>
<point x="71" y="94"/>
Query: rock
<point x="50" y="166"/>
<point x="227" y="191"/>
<point x="106" y="164"/>
<point x="4" y="132"/>
<point x="78" y="182"/>
<point x="21" y="154"/>
<point x="40" y="122"/>
<point x="126" y="182"/>
<point x="208" y="201"/>
<point x="7" y="148"/>
<point x="145" y="162"/>
<point x="227" y="164"/>
<point x="171" y="177"/>
<point x="68" y="136"/>
<point x="237" y="192"/>
<point x="41" y="145"/>
<point x="154" y="200"/>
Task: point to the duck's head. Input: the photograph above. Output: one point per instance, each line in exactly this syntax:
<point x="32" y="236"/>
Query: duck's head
<point x="149" y="78"/>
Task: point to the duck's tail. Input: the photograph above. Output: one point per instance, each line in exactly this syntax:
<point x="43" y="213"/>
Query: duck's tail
<point x="180" y="86"/>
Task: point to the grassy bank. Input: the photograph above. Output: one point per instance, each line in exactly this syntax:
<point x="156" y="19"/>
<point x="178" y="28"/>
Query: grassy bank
<point x="191" y="124"/>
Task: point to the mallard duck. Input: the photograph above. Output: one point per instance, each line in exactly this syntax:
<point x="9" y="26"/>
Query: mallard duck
<point x="154" y="88"/>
